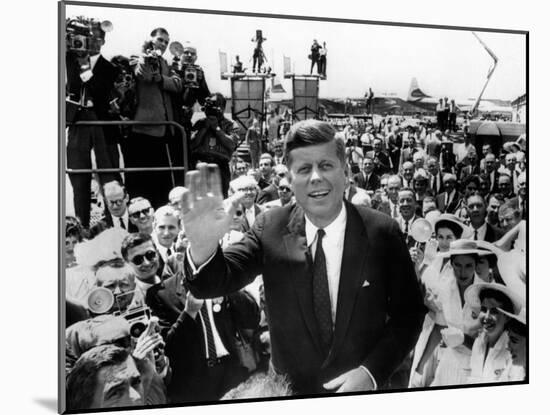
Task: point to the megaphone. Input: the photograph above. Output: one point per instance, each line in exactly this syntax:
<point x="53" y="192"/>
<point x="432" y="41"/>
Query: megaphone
<point x="421" y="230"/>
<point x="100" y="300"/>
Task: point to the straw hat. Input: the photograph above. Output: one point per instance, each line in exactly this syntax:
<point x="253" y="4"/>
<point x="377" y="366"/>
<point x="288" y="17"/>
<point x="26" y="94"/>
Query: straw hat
<point x="471" y="295"/>
<point x="520" y="317"/>
<point x="464" y="247"/>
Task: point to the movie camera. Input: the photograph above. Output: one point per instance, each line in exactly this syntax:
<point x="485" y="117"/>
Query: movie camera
<point x="101" y="301"/>
<point x="83" y="35"/>
<point x="188" y="72"/>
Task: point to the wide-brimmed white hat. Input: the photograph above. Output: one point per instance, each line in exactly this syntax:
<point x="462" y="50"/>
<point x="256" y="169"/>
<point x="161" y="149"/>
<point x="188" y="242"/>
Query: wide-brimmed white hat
<point x="471" y="295"/>
<point x="449" y="217"/>
<point x="520" y="317"/>
<point x="464" y="247"/>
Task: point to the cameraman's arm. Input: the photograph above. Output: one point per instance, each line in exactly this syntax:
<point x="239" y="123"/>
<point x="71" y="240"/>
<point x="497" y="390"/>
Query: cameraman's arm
<point x="227" y="140"/>
<point x="170" y="83"/>
<point x="142" y="70"/>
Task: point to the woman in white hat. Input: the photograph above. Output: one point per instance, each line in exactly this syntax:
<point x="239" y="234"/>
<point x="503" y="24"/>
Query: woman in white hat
<point x="517" y="346"/>
<point x="447" y="229"/>
<point x="450" y="361"/>
<point x="493" y="303"/>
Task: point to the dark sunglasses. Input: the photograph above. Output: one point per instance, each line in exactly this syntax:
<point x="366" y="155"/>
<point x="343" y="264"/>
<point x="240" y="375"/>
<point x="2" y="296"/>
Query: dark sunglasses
<point x="284" y="189"/>
<point x="138" y="259"/>
<point x="137" y="214"/>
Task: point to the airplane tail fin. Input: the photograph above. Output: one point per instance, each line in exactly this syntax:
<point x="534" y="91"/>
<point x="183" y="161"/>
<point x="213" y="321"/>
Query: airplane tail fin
<point x="415" y="93"/>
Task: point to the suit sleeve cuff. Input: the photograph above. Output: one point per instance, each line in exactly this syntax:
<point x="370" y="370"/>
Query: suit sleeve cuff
<point x="191" y="268"/>
<point x="370" y="376"/>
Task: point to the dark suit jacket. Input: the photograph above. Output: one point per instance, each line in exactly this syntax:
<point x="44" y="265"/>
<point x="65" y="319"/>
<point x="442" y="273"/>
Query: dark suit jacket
<point x="451" y="207"/>
<point x="493" y="233"/>
<point x="380" y="309"/>
<point x="166" y="301"/>
<point x="372" y="183"/>
<point x="185" y="344"/>
<point x="267" y="194"/>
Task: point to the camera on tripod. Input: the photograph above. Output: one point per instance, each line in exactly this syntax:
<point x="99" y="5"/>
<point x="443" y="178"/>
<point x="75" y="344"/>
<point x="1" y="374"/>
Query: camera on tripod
<point x="83" y="34"/>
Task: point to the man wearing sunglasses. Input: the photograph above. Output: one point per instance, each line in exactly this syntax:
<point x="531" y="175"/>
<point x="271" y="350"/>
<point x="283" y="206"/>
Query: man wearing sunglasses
<point x="286" y="195"/>
<point x="156" y="87"/>
<point x="271" y="192"/>
<point x="140" y="252"/>
<point x="140" y="213"/>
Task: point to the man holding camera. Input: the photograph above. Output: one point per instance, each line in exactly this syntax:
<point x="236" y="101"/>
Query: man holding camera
<point x="194" y="86"/>
<point x="213" y="139"/>
<point x="90" y="79"/>
<point x="147" y="146"/>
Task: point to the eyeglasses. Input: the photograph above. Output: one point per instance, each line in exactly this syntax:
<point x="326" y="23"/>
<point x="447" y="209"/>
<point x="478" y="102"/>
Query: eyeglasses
<point x="146" y="212"/>
<point x="117" y="202"/>
<point x="149" y="255"/>
<point x="247" y="189"/>
<point x="284" y="189"/>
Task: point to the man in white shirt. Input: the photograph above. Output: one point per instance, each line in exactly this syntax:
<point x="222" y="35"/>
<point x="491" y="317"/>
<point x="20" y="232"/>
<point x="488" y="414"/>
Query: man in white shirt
<point x="328" y="330"/>
<point x="166" y="228"/>
<point x="116" y="200"/>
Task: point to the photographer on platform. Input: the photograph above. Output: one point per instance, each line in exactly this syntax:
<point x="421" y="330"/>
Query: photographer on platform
<point x="147" y="145"/>
<point x="213" y="139"/>
<point x="89" y="81"/>
<point x="194" y="86"/>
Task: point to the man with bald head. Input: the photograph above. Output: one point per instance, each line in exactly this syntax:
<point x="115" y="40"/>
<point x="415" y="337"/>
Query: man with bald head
<point x="448" y="201"/>
<point x="408" y="173"/>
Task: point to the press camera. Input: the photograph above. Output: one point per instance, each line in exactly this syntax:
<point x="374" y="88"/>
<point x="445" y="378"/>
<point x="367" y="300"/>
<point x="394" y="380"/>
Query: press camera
<point x="83" y="35"/>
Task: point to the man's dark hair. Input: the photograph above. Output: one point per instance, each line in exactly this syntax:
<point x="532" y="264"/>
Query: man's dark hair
<point x="408" y="189"/>
<point x="507" y="304"/>
<point x="471" y="179"/>
<point x="479" y="195"/>
<point x="159" y="30"/>
<point x="311" y="133"/>
<point x="131" y="241"/>
<point x="497" y="196"/>
<point x="220" y="99"/>
<point x="82" y="382"/>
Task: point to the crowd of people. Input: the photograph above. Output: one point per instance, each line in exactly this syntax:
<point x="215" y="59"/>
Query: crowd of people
<point x="323" y="261"/>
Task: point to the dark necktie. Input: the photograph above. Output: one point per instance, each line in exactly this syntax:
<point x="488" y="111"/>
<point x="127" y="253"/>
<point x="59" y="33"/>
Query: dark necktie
<point x="122" y="225"/>
<point x="168" y="253"/>
<point x="475" y="235"/>
<point x="321" y="297"/>
<point x="211" y="346"/>
<point x="406" y="227"/>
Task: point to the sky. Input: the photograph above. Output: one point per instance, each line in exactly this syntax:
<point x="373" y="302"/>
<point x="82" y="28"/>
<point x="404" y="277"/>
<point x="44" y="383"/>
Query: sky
<point x="445" y="62"/>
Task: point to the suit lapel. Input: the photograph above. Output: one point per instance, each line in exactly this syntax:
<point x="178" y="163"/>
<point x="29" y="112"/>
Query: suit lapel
<point x="300" y="268"/>
<point x="352" y="275"/>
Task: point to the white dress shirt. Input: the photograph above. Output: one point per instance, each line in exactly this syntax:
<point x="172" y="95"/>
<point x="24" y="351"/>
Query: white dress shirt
<point x="481" y="232"/>
<point x="220" y="348"/>
<point x="125" y="219"/>
<point x="333" y="246"/>
<point x="250" y="215"/>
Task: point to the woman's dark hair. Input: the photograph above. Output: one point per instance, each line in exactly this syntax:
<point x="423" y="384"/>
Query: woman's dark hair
<point x="507" y="304"/>
<point x="455" y="228"/>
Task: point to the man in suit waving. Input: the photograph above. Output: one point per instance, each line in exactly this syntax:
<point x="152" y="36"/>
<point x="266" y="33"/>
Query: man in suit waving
<point x="341" y="318"/>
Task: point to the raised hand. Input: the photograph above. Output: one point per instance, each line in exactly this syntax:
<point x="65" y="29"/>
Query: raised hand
<point x="205" y="218"/>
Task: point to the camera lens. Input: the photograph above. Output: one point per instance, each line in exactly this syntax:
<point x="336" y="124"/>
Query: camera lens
<point x="137" y="328"/>
<point x="78" y="43"/>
